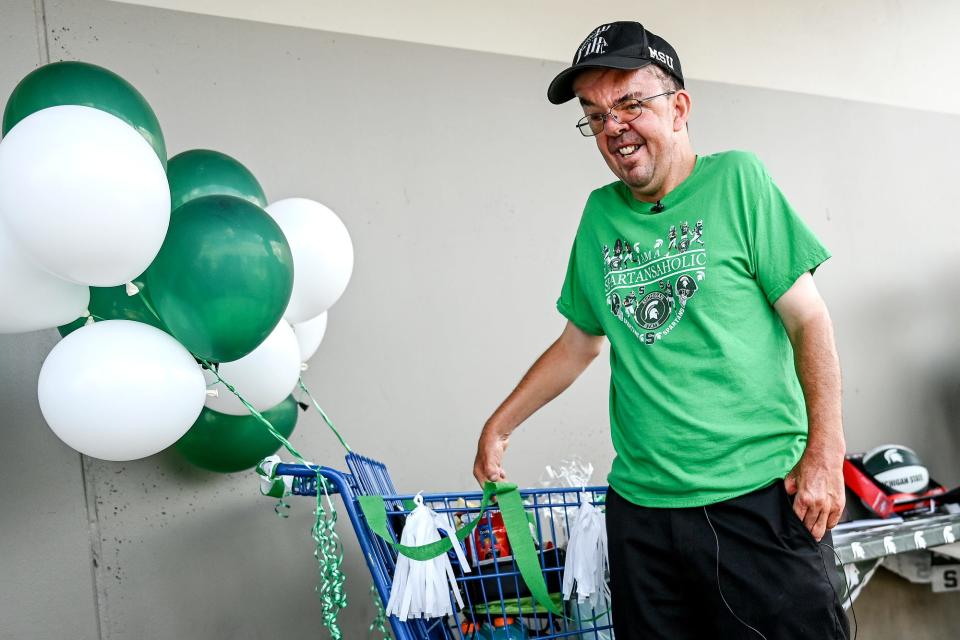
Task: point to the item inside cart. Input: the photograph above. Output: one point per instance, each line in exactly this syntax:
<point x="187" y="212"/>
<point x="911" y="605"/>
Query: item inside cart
<point x="488" y="542"/>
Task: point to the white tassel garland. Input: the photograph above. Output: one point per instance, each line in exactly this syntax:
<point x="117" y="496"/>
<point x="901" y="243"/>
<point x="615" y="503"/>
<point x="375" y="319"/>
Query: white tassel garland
<point x="587" y="563"/>
<point x="421" y="588"/>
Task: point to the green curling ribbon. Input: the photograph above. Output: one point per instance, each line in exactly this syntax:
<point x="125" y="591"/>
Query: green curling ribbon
<point x="329" y="554"/>
<point x="328" y="551"/>
<point x="323" y="414"/>
<point x="379" y="624"/>
<point x="226" y="443"/>
<point x="281" y="505"/>
<point x="514" y="520"/>
<point x="276" y="434"/>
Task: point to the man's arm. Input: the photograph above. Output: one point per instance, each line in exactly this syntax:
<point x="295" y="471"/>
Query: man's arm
<point x="550" y="375"/>
<point x="817" y="479"/>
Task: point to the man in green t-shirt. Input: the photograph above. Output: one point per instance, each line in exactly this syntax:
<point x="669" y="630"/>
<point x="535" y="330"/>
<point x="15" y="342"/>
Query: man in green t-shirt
<point x="725" y="381"/>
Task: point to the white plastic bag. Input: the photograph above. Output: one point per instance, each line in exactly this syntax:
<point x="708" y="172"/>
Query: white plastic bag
<point x="587" y="563"/>
<point x="571" y="472"/>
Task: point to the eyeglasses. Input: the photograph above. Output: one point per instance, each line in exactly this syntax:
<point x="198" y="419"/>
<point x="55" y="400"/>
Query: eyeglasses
<point x="622" y="112"/>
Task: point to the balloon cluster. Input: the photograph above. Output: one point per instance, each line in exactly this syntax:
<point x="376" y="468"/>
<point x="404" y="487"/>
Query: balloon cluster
<point x="149" y="267"/>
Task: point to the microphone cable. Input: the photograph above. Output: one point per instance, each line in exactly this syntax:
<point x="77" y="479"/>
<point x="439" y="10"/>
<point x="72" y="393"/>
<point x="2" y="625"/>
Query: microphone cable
<point x="826" y="575"/>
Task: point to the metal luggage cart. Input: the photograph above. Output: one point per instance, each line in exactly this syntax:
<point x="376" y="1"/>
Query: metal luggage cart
<point x="493" y="588"/>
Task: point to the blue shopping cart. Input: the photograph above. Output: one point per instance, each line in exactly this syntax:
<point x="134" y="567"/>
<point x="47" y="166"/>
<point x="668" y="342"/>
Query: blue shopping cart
<point x="493" y="590"/>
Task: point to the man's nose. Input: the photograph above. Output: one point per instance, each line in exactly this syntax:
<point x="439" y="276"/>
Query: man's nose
<point x="613" y="127"/>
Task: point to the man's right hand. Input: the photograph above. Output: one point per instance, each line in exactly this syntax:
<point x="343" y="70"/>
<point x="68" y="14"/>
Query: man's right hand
<point x="553" y="372"/>
<point x="488" y="464"/>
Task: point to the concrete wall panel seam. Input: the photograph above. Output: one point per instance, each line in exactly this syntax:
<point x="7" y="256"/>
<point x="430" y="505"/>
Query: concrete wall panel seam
<point x="93" y="523"/>
<point x="43" y="44"/>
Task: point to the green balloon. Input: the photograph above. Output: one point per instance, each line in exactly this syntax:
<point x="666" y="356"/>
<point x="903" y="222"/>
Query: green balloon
<point x="201" y="172"/>
<point x="113" y="303"/>
<point x="223" y="277"/>
<point x="225" y="443"/>
<point x="86" y="85"/>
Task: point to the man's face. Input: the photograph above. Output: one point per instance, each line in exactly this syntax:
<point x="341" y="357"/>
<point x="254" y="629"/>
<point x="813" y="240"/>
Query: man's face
<point x="639" y="152"/>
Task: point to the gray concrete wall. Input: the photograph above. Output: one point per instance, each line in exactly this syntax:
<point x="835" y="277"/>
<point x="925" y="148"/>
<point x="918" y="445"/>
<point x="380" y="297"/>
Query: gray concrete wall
<point x="46" y="537"/>
<point x="462" y="189"/>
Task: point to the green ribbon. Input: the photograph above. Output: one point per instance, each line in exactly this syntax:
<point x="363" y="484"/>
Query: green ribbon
<point x="329" y="555"/>
<point x="212" y="368"/>
<point x="379" y="624"/>
<point x="514" y="520"/>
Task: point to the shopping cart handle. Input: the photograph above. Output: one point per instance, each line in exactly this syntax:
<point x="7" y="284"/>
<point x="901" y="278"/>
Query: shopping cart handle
<point x="296" y="470"/>
<point x="333" y="480"/>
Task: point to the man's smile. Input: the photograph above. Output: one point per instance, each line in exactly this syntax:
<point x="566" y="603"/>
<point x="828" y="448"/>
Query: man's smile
<point x="625" y="150"/>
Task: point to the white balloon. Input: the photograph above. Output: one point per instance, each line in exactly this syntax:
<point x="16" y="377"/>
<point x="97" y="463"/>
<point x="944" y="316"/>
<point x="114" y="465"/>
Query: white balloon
<point x="120" y="390"/>
<point x="84" y="195"/>
<point x="322" y="255"/>
<point x="264" y="377"/>
<point x="31" y="298"/>
<point x="310" y="335"/>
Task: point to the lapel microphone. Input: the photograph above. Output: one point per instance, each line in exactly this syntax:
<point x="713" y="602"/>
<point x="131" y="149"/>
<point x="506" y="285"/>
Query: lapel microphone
<point x="657" y="208"/>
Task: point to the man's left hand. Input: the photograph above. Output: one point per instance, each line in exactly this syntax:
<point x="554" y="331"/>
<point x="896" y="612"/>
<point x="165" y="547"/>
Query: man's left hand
<point x="817" y="482"/>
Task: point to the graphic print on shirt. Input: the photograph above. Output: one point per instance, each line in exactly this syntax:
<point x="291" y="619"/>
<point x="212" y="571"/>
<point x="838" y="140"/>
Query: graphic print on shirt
<point x="648" y="289"/>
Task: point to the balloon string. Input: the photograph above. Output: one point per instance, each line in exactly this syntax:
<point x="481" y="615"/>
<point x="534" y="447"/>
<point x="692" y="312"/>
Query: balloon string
<point x="149" y="306"/>
<point x="328" y="551"/>
<point x="323" y="415"/>
<point x="256" y="414"/>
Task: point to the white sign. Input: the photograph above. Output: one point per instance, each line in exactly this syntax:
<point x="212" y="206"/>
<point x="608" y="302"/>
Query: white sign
<point x="946" y="577"/>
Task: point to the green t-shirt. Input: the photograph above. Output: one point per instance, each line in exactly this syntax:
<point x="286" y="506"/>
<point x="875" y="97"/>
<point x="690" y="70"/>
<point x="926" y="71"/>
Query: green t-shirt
<point x="705" y="404"/>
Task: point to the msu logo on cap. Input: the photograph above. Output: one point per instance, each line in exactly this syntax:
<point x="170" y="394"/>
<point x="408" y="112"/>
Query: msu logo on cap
<point x="594" y="44"/>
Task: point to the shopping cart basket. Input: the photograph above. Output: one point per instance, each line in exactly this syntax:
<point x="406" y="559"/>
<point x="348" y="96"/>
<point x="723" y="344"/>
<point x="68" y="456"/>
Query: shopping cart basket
<point x="494" y="588"/>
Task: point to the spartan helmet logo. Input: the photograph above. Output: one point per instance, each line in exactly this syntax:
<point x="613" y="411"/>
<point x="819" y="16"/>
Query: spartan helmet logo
<point x="892" y="456"/>
<point x="686" y="287"/>
<point x="653" y="310"/>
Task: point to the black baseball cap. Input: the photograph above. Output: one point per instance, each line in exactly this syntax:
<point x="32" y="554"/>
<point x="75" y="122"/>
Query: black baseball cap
<point x="617" y="45"/>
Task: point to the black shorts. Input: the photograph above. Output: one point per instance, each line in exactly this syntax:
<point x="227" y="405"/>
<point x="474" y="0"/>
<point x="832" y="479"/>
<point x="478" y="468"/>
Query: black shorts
<point x="772" y="574"/>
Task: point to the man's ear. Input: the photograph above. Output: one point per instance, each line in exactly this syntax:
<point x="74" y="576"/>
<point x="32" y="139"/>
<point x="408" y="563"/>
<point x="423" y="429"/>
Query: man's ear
<point x="681" y="109"/>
